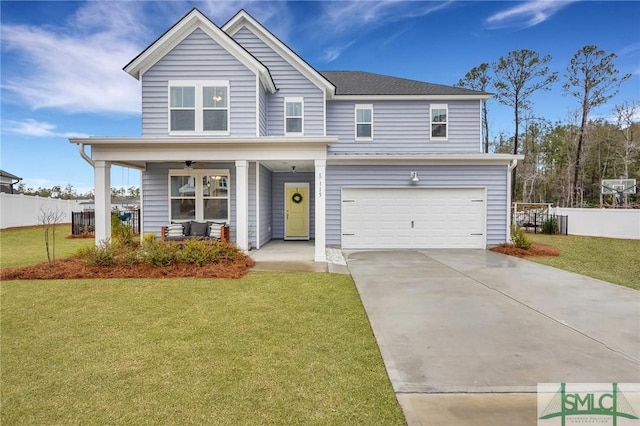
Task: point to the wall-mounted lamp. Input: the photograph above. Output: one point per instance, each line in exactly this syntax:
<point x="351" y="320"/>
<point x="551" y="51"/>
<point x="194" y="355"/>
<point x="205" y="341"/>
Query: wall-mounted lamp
<point x="414" y="176"/>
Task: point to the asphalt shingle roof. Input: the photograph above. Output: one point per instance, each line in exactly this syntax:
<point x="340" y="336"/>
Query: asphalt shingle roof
<point x="366" y="83"/>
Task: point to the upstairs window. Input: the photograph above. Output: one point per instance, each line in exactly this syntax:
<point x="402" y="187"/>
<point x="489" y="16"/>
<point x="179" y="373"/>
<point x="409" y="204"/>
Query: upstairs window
<point x="439" y="121"/>
<point x="183" y="108"/>
<point x="199" y="107"/>
<point x="364" y="122"/>
<point x="293" y="116"/>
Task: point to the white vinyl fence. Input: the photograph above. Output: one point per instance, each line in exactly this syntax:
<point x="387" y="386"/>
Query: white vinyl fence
<point x="23" y="210"/>
<point x="611" y="223"/>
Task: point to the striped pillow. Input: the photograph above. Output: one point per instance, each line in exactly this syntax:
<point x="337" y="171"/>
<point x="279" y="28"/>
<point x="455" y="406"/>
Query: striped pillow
<point x="175" y="230"/>
<point x="214" y="231"/>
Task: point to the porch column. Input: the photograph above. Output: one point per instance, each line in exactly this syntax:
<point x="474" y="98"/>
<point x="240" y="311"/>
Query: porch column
<point x="242" y="205"/>
<point x="102" y="198"/>
<point x="320" y="243"/>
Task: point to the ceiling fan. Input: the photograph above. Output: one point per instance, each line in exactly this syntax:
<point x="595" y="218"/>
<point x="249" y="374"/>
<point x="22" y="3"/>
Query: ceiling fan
<point x="189" y="164"/>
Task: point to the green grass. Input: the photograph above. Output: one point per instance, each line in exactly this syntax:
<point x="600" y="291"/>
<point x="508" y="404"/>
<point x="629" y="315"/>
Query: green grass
<point x="272" y="348"/>
<point x="607" y="259"/>
<point x="25" y="246"/>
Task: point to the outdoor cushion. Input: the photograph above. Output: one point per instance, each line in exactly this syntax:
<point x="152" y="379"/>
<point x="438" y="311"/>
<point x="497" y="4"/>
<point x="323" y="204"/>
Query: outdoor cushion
<point x="199" y="229"/>
<point x="214" y="229"/>
<point x="187" y="228"/>
<point x="175" y="230"/>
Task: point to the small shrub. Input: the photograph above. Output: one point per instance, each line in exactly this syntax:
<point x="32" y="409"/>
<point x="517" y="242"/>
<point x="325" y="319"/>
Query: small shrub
<point x="550" y="226"/>
<point x="103" y="255"/>
<point x="519" y="238"/>
<point x="198" y="252"/>
<point x="149" y="238"/>
<point x="121" y="232"/>
<point x="227" y="252"/>
<point x="158" y="254"/>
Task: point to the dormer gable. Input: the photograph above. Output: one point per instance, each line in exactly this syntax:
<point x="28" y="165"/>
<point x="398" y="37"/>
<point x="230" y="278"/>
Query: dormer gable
<point x="243" y="20"/>
<point x="185" y="26"/>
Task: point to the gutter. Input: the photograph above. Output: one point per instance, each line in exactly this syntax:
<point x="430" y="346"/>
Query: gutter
<point x="84" y="155"/>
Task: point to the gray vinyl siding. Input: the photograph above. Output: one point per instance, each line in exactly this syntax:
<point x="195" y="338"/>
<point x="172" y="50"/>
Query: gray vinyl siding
<point x="277" y="193"/>
<point x="262" y="104"/>
<point x="266" y="209"/>
<point x="494" y="178"/>
<point x="290" y="83"/>
<point x="198" y="57"/>
<point x="404" y="127"/>
<point x="155" y="196"/>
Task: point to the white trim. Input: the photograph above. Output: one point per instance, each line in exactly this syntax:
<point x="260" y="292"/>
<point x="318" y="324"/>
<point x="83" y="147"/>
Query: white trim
<point x="199" y="197"/>
<point x="293" y="99"/>
<point x="408" y="97"/>
<point x="320" y="242"/>
<point x="257" y="205"/>
<point x="102" y="184"/>
<point x="481" y="141"/>
<point x="324" y="114"/>
<point x="243" y="19"/>
<point x="203" y="140"/>
<point x="298" y="184"/>
<point x="513" y="163"/>
<point x="357" y="107"/>
<point x="193" y="20"/>
<point x="446" y="122"/>
<point x="242" y="205"/>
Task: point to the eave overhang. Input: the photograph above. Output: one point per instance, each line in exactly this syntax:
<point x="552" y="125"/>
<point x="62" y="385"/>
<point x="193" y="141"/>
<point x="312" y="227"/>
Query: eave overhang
<point x="420" y="159"/>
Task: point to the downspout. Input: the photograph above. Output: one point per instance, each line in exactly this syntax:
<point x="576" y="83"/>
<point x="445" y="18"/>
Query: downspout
<point x="512" y="165"/>
<point x="84" y="155"/>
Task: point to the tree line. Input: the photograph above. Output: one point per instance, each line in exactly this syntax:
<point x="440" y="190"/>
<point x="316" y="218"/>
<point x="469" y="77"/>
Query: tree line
<point x="70" y="193"/>
<point x="564" y="161"/>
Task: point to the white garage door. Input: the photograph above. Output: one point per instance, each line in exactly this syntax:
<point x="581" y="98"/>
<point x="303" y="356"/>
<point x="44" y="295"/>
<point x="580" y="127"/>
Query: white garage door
<point x="413" y="218"/>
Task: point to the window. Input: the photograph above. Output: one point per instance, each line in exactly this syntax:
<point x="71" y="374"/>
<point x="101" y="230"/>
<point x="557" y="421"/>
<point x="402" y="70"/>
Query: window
<point x="199" y="107"/>
<point x="201" y="195"/>
<point x="293" y="116"/>
<point x="439" y="121"/>
<point x="364" y="121"/>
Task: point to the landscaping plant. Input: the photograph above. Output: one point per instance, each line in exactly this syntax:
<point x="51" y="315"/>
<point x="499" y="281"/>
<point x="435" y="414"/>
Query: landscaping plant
<point x="519" y="238"/>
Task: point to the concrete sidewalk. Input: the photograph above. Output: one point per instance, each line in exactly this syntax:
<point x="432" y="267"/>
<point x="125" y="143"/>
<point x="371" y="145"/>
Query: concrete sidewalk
<point x="451" y="323"/>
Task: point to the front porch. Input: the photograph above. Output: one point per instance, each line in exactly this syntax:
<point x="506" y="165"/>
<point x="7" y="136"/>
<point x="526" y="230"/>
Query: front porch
<point x="296" y="256"/>
<point x="255" y="168"/>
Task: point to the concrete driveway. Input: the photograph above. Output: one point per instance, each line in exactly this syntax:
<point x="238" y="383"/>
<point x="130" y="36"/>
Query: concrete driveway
<point x="488" y="328"/>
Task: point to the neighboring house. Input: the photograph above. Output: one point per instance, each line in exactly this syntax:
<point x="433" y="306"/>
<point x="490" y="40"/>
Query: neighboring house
<point x="237" y="127"/>
<point x="117" y="203"/>
<point x="7" y="180"/>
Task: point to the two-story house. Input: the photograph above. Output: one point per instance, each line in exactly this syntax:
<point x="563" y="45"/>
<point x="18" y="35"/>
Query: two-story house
<point x="236" y="127"/>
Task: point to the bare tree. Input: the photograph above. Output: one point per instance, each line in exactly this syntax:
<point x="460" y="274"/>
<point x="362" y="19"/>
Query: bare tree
<point x="478" y="78"/>
<point x="592" y="78"/>
<point x="517" y="76"/>
<point x="49" y="219"/>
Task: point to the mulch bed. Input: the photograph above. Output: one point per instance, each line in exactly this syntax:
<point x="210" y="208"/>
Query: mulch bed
<point x="75" y="268"/>
<point x="536" y="249"/>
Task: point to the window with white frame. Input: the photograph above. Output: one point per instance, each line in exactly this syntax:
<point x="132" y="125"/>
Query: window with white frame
<point x="293" y="116"/>
<point x="364" y="122"/>
<point x="201" y="195"/>
<point x="439" y="121"/>
<point x="199" y="107"/>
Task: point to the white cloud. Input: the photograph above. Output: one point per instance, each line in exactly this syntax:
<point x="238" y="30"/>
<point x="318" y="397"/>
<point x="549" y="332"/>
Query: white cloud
<point x="344" y="19"/>
<point x="39" y="129"/>
<point x="527" y="14"/>
<point x="77" y="67"/>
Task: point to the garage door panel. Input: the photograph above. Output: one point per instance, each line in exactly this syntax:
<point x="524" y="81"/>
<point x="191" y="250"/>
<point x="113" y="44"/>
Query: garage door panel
<point x="413" y="217"/>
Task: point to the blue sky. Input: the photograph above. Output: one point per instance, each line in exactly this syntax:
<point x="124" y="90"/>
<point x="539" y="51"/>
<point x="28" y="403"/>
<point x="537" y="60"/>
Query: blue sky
<point x="62" y="61"/>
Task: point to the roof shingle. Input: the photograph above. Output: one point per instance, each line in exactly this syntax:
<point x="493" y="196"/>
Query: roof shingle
<point x="366" y="83"/>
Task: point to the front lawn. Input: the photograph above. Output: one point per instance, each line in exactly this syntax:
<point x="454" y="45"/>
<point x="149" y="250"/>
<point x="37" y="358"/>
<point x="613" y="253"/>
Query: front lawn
<point x="271" y="348"/>
<point x="25" y="246"/>
<point x="607" y="259"/>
